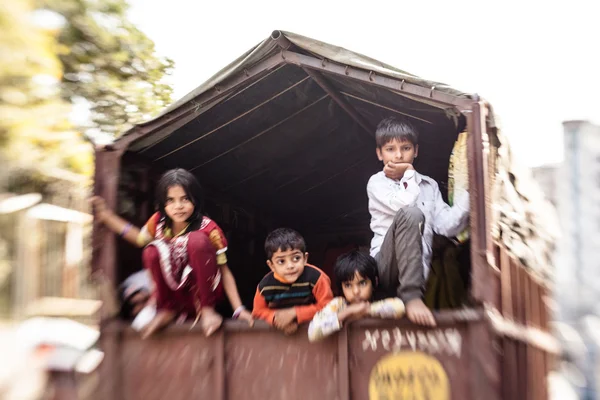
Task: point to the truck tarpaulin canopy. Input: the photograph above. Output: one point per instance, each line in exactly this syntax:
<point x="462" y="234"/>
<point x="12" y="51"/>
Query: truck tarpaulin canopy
<point x="289" y="127"/>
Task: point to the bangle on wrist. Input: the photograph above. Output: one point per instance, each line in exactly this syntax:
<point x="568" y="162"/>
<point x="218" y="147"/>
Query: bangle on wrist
<point x="238" y="311"/>
<point x="125" y="230"/>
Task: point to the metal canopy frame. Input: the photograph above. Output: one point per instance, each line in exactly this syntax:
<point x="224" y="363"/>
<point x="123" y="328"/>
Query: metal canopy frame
<point x="313" y="67"/>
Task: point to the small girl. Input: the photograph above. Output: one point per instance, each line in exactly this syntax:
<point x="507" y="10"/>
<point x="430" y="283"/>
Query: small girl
<point x="356" y="280"/>
<point x="184" y="252"/>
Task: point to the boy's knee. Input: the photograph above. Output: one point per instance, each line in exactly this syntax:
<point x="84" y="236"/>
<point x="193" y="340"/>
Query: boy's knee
<point x="410" y="215"/>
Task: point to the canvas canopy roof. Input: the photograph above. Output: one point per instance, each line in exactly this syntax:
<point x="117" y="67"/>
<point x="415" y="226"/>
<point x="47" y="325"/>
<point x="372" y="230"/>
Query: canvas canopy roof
<point x="288" y="127"/>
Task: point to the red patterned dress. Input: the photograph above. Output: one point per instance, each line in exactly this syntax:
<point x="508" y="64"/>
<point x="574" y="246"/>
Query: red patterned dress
<point x="184" y="267"/>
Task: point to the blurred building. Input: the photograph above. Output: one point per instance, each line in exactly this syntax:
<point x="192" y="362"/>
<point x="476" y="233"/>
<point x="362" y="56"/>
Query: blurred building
<point x="578" y="202"/>
<point x="45" y="251"/>
<point x="546" y="178"/>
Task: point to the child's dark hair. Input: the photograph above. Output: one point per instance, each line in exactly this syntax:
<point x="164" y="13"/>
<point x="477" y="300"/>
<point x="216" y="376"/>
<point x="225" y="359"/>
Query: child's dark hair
<point x="190" y="185"/>
<point x="283" y="239"/>
<point x="348" y="264"/>
<point x="393" y="128"/>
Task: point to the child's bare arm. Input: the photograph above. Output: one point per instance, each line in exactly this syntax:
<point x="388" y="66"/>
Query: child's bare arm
<point x="232" y="294"/>
<point x="396" y="170"/>
<point x="113" y="222"/>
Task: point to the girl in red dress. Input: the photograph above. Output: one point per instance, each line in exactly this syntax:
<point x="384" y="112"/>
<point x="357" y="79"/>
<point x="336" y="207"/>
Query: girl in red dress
<point x="185" y="253"/>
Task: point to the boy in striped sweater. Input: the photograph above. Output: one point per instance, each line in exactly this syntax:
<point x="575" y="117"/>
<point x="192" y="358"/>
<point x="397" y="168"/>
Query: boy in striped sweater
<point x="294" y="291"/>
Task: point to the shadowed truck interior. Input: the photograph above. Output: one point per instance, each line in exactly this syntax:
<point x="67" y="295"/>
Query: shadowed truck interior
<point x="283" y="151"/>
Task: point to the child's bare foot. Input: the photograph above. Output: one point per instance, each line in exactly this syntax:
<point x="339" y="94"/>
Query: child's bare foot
<point x="160" y="320"/>
<point x="210" y="321"/>
<point x="417" y="312"/>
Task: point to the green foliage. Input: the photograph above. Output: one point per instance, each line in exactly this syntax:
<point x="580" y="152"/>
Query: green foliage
<point x="110" y="63"/>
<point x="89" y="53"/>
<point x="35" y="133"/>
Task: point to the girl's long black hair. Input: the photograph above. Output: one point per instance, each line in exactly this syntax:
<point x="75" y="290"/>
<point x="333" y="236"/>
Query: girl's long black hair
<point x="192" y="188"/>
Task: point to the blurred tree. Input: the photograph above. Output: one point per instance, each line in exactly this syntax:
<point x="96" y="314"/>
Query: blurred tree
<point x="109" y="63"/>
<point x="36" y="136"/>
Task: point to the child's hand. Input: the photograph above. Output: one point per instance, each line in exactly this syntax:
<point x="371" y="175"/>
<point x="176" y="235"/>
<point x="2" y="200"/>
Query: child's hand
<point x="99" y="208"/>
<point x="246" y="316"/>
<point x="290" y="329"/>
<point x="396" y="170"/>
<point x="284" y="317"/>
<point x="354" y="312"/>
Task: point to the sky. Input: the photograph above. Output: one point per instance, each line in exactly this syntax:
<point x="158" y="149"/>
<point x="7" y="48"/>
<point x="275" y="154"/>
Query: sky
<point x="535" y="62"/>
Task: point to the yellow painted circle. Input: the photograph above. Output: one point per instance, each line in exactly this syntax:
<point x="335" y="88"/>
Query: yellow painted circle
<point x="408" y="376"/>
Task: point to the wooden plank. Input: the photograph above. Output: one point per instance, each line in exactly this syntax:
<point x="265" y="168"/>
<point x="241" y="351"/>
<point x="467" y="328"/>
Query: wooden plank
<point x="219" y="366"/>
<point x="104" y="242"/>
<point x="485" y="282"/>
<point x="343" y="365"/>
<point x="522" y="368"/>
<point x="528" y="349"/>
<point x="516" y="292"/>
<point x="510" y="375"/>
<point x="485" y="363"/>
<point x="506" y="283"/>
<point x="545" y="319"/>
<point x="535" y="303"/>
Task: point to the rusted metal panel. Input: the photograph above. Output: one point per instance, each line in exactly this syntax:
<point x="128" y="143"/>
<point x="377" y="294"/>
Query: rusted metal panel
<point x="267" y="365"/>
<point x="104" y="245"/>
<point x="505" y="283"/>
<point x="485" y="286"/>
<point x="171" y="366"/>
<point x="515" y="294"/>
<point x="343" y="365"/>
<point x="261" y="363"/>
<point x="510" y="369"/>
<point x="485" y="373"/>
<point x="447" y="343"/>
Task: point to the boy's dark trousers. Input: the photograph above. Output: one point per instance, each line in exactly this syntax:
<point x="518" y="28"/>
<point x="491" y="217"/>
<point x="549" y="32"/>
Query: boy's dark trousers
<point x="400" y="258"/>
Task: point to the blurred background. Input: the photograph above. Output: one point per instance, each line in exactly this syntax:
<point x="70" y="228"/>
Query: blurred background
<point x="79" y="73"/>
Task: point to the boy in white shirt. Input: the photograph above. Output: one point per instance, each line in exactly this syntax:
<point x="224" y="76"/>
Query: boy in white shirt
<point x="406" y="209"/>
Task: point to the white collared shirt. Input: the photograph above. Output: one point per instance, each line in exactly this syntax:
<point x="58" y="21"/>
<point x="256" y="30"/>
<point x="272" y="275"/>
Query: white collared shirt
<point x="387" y="196"/>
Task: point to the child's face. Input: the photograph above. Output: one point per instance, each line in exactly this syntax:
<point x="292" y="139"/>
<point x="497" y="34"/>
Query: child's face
<point x="179" y="206"/>
<point x="288" y="264"/>
<point x="357" y="290"/>
<point x="397" y="151"/>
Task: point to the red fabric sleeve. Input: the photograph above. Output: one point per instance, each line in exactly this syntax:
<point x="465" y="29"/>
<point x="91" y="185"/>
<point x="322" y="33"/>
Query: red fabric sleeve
<point x="218" y="240"/>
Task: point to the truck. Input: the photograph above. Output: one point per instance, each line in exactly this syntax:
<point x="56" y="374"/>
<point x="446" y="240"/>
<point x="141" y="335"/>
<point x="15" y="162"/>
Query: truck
<point x="284" y="136"/>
